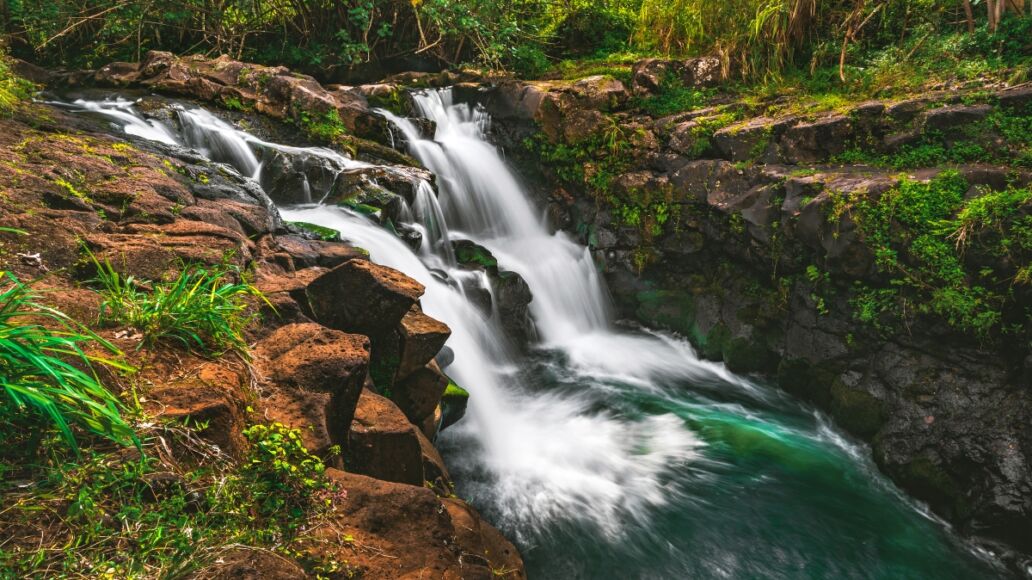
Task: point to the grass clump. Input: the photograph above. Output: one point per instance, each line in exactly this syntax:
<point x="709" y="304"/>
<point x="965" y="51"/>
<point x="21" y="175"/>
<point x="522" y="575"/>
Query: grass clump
<point x="673" y="97"/>
<point x="205" y="308"/>
<point x="45" y="374"/>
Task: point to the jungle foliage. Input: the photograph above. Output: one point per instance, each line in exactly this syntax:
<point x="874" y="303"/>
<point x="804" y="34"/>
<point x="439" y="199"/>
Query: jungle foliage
<point x="755" y="39"/>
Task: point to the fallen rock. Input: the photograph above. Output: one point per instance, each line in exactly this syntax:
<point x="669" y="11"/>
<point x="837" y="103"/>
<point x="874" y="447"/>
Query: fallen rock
<point x="211" y="395"/>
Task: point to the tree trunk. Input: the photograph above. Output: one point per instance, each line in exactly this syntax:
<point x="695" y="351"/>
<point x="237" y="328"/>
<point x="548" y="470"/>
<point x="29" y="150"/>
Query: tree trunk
<point x="969" y="15"/>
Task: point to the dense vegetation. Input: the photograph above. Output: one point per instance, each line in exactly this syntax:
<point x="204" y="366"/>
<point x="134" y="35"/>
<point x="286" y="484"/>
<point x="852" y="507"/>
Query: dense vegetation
<point x="845" y="41"/>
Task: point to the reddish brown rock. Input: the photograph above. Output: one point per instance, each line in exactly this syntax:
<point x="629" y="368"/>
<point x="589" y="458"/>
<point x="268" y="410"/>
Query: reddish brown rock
<point x="382" y="443"/>
<point x="212" y="395"/>
<point x="405" y="531"/>
<point x="421" y="338"/>
<point x="317" y="368"/>
<point x="435" y="473"/>
<point x="420" y="393"/>
<point x="360" y="296"/>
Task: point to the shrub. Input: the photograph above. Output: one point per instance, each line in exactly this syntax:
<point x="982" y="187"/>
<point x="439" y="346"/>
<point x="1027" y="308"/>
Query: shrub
<point x="203" y="308"/>
<point x="37" y="374"/>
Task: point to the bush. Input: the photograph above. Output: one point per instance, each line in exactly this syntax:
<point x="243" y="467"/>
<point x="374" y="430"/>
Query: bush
<point x="37" y="374"/>
<point x="203" y="308"/>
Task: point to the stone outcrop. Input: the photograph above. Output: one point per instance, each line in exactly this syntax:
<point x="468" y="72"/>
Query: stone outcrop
<point x="752" y="206"/>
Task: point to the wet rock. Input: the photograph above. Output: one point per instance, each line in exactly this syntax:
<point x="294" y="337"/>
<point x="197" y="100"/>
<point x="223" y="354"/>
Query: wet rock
<point x="383" y="443"/>
<point x="421" y="339"/>
<point x="359" y="296"/>
<point x="512" y="301"/>
<point x="453" y="404"/>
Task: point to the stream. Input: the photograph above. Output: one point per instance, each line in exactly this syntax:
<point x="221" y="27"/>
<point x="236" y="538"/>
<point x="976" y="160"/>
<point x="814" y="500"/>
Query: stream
<point x="608" y="450"/>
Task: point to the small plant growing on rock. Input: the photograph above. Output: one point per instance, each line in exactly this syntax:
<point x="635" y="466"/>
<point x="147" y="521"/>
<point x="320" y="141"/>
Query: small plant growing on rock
<point x="204" y="308"/>
<point x="283" y="476"/>
<point x="45" y="372"/>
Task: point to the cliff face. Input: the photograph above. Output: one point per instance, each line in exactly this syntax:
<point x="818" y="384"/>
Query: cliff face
<point x="341" y="350"/>
<point x="835" y="251"/>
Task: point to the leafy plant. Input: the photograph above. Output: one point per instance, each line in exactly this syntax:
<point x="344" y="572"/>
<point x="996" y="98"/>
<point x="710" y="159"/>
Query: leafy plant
<point x="38" y="372"/>
<point x="203" y="308"/>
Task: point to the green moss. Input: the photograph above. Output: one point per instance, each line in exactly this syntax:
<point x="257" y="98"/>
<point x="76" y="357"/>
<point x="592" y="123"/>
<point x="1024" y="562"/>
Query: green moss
<point x="453" y="404"/>
<point x="324" y="234"/>
<point x="325" y="127"/>
<point x="475" y="254"/>
<point x="928" y="481"/>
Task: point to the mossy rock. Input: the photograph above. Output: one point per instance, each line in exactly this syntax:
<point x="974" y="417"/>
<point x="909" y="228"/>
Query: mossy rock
<point x="928" y="481"/>
<point x="807" y="380"/>
<point x="749" y="355"/>
<point x="857" y="411"/>
<point x="324" y="234"/>
<point x="673" y="309"/>
<point x="453" y="404"/>
<point x="469" y="253"/>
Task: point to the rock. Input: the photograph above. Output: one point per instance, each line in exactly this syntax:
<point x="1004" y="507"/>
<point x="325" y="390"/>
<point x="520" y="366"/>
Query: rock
<point x="434" y="471"/>
<point x="453" y="404"/>
<point x="419" y="393"/>
<point x="600" y="93"/>
<point x="275" y="91"/>
<point x="746" y="141"/>
<point x="1016" y="97"/>
<point x="582" y="124"/>
<point x="382" y="443"/>
<point x="421" y="339"/>
<point x="811" y="142"/>
<point x="359" y="296"/>
<point x="309" y="253"/>
<point x="315" y="368"/>
<point x="953" y="116"/>
<point x="648" y="76"/>
<point x="212" y="395"/>
<point x="512" y="301"/>
<point x="425" y="537"/>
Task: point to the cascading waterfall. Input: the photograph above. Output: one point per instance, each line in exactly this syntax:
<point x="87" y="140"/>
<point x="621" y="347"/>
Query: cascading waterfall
<point x="606" y="452"/>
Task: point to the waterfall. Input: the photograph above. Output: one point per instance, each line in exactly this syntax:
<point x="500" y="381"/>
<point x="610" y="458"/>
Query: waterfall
<point x="605" y="451"/>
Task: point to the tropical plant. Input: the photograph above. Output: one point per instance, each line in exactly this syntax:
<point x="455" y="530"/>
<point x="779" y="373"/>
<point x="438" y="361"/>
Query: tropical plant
<point x="45" y="371"/>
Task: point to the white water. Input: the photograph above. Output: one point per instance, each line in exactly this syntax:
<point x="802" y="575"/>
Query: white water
<point x="541" y="457"/>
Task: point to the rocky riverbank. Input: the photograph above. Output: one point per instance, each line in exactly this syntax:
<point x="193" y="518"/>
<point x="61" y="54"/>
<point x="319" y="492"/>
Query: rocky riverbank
<point x="341" y="350"/>
<point x="787" y="238"/>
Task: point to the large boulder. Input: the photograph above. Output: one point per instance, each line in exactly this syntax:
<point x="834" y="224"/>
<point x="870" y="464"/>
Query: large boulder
<point x="363" y="297"/>
<point x="315" y="376"/>
<point x="649" y="75"/>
